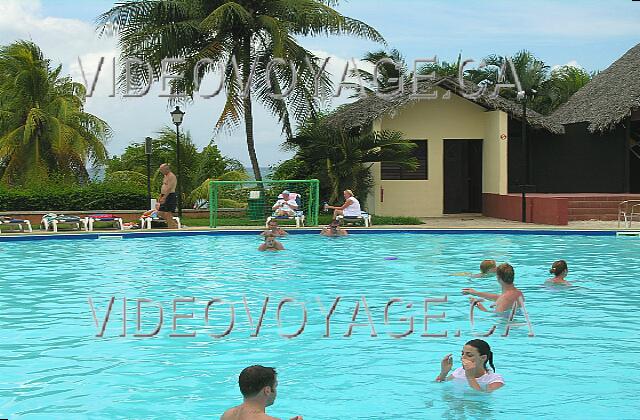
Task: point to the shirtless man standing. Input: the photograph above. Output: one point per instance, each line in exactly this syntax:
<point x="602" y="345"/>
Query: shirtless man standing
<point x="168" y="198"/>
<point x="509" y="295"/>
<point x="258" y="387"/>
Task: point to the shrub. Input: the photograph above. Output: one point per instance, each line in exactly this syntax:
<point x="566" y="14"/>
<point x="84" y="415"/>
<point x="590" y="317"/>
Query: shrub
<point x="93" y="196"/>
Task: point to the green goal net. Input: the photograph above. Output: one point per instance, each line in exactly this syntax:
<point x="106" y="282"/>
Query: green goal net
<point x="253" y="200"/>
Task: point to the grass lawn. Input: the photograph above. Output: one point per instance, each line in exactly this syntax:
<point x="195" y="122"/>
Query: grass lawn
<point x="324" y="219"/>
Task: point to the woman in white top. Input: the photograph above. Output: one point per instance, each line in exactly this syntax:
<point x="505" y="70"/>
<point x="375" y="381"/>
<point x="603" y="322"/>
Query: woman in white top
<point x="351" y="206"/>
<point x="475" y="356"/>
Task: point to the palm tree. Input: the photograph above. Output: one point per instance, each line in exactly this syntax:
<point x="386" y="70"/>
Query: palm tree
<point x="562" y="83"/>
<point x="390" y="72"/>
<point x="249" y="31"/>
<point x="43" y="126"/>
<point x="343" y="160"/>
<point x="531" y="73"/>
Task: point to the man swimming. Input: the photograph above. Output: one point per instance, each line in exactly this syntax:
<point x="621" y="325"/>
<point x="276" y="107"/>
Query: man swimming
<point x="270" y="243"/>
<point x="333" y="229"/>
<point x="258" y="385"/>
<point x="275" y="229"/>
<point x="505" y="300"/>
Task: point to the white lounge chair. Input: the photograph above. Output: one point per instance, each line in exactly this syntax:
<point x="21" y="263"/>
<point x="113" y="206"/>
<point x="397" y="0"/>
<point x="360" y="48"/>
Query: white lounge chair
<point x="364" y="218"/>
<point x="11" y="221"/>
<point x="91" y="219"/>
<point x="52" y="220"/>
<point x="145" y="222"/>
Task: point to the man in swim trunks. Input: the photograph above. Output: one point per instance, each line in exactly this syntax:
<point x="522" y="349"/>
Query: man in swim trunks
<point x="258" y="385"/>
<point x="505" y="300"/>
<point x="168" y="198"/>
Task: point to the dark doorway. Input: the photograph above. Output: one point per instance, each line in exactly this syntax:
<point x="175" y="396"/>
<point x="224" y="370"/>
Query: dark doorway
<point x="462" y="176"/>
<point x="634" y="157"/>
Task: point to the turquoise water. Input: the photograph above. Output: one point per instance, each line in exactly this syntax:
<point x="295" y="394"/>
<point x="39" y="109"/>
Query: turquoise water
<point x="583" y="361"/>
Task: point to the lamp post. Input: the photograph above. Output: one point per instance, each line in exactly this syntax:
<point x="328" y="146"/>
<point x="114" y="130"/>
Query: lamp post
<point x="147" y="151"/>
<point x="177" y="116"/>
<point x="526" y="186"/>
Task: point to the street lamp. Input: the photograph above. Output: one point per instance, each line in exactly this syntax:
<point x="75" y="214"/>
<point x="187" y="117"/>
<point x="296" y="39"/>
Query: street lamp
<point x="177" y="116"/>
<point x="147" y="151"/>
<point x="526" y="186"/>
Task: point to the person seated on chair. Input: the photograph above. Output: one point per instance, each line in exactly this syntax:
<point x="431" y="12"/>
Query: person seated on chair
<point x="270" y="243"/>
<point x="505" y="300"/>
<point x="274" y="229"/>
<point x="285" y="206"/>
<point x="350" y="208"/>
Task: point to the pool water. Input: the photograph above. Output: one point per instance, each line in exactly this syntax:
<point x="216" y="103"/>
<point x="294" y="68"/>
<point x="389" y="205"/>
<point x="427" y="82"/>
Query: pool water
<point x="583" y="361"/>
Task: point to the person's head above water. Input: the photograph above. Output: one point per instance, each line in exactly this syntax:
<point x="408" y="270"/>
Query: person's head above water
<point x="273" y="224"/>
<point x="488" y="266"/>
<point x="559" y="267"/>
<point x="505" y="273"/>
<point x="480" y="352"/>
<point x="269" y="239"/>
<point x="259" y="383"/>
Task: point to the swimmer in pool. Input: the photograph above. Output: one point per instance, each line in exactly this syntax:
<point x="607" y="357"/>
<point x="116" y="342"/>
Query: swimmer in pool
<point x="505" y="300"/>
<point x="270" y="243"/>
<point x="560" y="270"/>
<point x="487" y="268"/>
<point x="275" y="229"/>
<point x="258" y="385"/>
<point x="475" y="356"/>
<point x="334" y="229"/>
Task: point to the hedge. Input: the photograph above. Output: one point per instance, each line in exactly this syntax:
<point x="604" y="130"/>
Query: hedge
<point x="94" y="196"/>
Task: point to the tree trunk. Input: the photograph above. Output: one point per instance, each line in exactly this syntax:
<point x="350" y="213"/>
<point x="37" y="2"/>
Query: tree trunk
<point x="248" y="122"/>
<point x="248" y="118"/>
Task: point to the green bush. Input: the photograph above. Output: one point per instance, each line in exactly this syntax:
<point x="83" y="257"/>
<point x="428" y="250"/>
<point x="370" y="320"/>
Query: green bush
<point x="94" y="196"/>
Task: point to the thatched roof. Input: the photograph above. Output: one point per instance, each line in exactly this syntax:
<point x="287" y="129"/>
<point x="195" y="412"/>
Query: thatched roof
<point x="364" y="111"/>
<point x="607" y="99"/>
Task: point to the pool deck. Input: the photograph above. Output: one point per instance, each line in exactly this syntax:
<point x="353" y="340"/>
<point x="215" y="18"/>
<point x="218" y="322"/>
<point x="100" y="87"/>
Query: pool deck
<point x="458" y="222"/>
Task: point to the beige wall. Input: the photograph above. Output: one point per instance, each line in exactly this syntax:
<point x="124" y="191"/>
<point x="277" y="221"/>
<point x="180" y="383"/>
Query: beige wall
<point x="436" y="120"/>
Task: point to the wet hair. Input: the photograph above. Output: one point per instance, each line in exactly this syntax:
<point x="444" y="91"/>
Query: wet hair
<point x="505" y="273"/>
<point x="254" y="378"/>
<point x="484" y="350"/>
<point x="558" y="267"/>
<point x="268" y="234"/>
<point x="487" y="265"/>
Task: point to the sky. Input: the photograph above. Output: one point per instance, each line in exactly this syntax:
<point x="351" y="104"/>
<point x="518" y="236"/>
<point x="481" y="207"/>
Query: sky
<point x="585" y="33"/>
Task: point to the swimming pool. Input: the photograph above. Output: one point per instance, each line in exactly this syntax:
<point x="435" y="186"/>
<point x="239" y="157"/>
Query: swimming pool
<point x="581" y="363"/>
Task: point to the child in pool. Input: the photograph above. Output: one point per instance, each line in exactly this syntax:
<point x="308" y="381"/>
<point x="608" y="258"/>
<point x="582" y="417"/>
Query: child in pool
<point x="487" y="268"/>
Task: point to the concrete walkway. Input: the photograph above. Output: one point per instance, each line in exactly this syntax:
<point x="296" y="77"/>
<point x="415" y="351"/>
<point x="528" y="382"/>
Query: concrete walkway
<point x="450" y="222"/>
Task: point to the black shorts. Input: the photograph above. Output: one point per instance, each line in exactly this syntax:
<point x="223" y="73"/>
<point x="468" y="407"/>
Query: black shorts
<point x="169" y="203"/>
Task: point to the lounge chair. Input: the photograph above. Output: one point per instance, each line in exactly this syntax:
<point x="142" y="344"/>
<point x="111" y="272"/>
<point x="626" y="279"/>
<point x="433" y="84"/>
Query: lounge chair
<point x="628" y="211"/>
<point x="52" y="220"/>
<point x="91" y="219"/>
<point x="298" y="216"/>
<point x="11" y="221"/>
<point x="151" y="216"/>
<point x="364" y="217"/>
